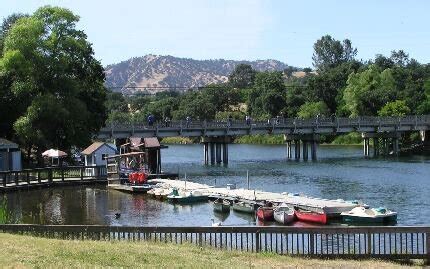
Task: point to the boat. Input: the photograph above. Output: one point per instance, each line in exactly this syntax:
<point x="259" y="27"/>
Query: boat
<point x="283" y="214"/>
<point x="243" y="207"/>
<point x="311" y="216"/>
<point x="221" y="205"/>
<point x="187" y="197"/>
<point x="265" y="212"/>
<point x="373" y="215"/>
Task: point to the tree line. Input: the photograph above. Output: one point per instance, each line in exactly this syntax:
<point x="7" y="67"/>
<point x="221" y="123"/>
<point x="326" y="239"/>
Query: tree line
<point x="340" y="85"/>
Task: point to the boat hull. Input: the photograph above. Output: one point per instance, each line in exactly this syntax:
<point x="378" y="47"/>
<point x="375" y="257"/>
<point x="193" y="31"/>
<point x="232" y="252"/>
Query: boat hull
<point x="367" y="220"/>
<point x="283" y="217"/>
<point x="221" y="207"/>
<point x="187" y="199"/>
<point x="245" y="208"/>
<point x="265" y="213"/>
<point x="314" y="217"/>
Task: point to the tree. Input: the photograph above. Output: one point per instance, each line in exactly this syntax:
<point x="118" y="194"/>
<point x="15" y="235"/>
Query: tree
<point x="242" y="76"/>
<point x="329" y="53"/>
<point x="312" y="110"/>
<point x="54" y="72"/>
<point x="329" y="84"/>
<point x="7" y="24"/>
<point x="368" y="91"/>
<point x="395" y="108"/>
<point x="267" y="97"/>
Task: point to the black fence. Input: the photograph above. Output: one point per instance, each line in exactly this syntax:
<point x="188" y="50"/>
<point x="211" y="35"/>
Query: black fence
<point x="385" y="242"/>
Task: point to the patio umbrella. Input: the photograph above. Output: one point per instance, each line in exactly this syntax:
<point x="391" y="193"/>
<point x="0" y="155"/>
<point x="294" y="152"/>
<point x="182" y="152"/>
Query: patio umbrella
<point x="54" y="153"/>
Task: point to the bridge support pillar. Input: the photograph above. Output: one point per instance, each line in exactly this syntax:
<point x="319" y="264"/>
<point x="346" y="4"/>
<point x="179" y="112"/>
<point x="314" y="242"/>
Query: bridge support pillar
<point x="289" y="149"/>
<point x="308" y="140"/>
<point x="366" y="147"/>
<point x="225" y="153"/>
<point x="206" y="152"/>
<point x="375" y="147"/>
<point x="217" y="148"/>
<point x="305" y="150"/>
<point x="396" y="146"/>
<point x="218" y="152"/>
<point x="212" y="150"/>
<point x="314" y="147"/>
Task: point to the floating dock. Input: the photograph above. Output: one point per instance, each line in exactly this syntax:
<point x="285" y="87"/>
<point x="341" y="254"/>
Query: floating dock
<point x="129" y="188"/>
<point x="332" y="208"/>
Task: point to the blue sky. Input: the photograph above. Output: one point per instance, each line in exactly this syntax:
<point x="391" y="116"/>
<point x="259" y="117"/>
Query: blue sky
<point x="244" y="29"/>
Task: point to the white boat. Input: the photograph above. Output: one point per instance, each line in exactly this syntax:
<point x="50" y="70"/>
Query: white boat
<point x="284" y="214"/>
<point x="361" y="214"/>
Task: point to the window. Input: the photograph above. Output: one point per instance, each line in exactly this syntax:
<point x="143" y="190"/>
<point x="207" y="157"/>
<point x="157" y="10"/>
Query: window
<point x="104" y="156"/>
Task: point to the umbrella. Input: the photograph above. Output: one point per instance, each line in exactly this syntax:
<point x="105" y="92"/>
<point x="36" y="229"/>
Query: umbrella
<point x="54" y="153"/>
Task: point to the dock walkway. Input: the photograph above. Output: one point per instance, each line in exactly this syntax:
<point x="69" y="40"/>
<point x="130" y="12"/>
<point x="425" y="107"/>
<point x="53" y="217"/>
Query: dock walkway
<point x="330" y="207"/>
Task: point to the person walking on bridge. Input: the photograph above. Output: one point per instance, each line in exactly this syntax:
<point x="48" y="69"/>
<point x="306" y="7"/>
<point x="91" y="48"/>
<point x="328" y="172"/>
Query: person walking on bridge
<point x="151" y="120"/>
<point x="188" y="121"/>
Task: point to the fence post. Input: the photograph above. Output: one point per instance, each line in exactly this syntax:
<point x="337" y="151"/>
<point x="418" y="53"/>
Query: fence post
<point x="62" y="173"/>
<point x="369" y="243"/>
<point x="38" y="177"/>
<point x="50" y="175"/>
<point x="16" y="178"/>
<point x="312" y="244"/>
<point x="257" y="241"/>
<point x="4" y="179"/>
<point x="82" y="172"/>
<point x="427" y="248"/>
<point x="27" y="174"/>
<point x="200" y="239"/>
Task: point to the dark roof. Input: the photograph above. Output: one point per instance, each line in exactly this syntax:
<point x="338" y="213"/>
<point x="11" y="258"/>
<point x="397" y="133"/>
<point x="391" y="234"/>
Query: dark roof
<point x="95" y="146"/>
<point x="151" y="142"/>
<point x="6" y="144"/>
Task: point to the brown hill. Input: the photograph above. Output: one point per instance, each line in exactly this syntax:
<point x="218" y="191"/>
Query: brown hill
<point x="155" y="72"/>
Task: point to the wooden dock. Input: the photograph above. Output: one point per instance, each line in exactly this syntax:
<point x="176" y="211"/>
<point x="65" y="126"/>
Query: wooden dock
<point x="331" y="207"/>
<point x="129" y="188"/>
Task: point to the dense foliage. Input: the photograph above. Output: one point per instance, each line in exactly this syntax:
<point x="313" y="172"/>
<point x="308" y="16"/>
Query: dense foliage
<point x="50" y="82"/>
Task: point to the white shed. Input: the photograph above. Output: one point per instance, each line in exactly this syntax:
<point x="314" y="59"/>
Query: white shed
<point x="94" y="154"/>
<point x="10" y="156"/>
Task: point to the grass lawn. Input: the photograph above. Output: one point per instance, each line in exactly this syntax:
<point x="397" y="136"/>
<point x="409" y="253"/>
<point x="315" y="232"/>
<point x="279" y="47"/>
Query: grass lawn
<point x="30" y="252"/>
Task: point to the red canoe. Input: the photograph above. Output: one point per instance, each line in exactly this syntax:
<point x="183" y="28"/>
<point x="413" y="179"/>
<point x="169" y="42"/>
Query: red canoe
<point x="265" y="213"/>
<point x="309" y="216"/>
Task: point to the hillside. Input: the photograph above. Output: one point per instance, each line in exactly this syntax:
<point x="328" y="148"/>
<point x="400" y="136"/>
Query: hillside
<point x="168" y="71"/>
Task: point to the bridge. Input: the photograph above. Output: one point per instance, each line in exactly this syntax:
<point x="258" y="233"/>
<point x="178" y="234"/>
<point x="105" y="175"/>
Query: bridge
<point x="303" y="133"/>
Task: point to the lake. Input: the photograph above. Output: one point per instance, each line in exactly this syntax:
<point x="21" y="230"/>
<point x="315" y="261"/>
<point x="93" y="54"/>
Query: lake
<point x="401" y="184"/>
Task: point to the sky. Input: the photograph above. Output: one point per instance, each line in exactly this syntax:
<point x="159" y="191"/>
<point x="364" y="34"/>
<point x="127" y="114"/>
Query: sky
<point x="244" y="29"/>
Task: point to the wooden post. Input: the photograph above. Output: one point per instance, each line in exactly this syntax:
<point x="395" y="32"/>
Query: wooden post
<point x="38" y="177"/>
<point x="62" y="173"/>
<point x="82" y="172"/>
<point x="4" y="179"/>
<point x="257" y="241"/>
<point x="428" y="248"/>
<point x="27" y="174"/>
<point x="312" y="243"/>
<point x="50" y="175"/>
<point x="16" y="178"/>
<point x="369" y="243"/>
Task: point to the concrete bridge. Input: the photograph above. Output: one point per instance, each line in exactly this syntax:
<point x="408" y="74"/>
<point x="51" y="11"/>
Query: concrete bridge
<point x="304" y="134"/>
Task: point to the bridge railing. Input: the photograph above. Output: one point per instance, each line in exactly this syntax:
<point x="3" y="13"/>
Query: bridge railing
<point x="391" y="242"/>
<point x="296" y="123"/>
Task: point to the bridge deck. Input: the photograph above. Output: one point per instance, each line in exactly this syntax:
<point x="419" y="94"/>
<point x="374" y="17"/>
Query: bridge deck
<point x="272" y="126"/>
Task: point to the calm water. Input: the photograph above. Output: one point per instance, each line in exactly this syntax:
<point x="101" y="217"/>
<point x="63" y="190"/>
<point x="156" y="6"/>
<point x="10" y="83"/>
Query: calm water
<point x="341" y="172"/>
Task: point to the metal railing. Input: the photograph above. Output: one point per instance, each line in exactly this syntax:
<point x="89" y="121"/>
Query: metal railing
<point x="393" y="242"/>
<point x="50" y="176"/>
<point x="415" y="122"/>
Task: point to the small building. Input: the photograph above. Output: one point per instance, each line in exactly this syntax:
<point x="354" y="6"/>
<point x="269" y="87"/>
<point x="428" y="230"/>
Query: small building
<point x="96" y="153"/>
<point x="10" y="156"/>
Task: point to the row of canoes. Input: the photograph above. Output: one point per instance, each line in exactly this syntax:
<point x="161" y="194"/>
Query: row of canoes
<point x="286" y="214"/>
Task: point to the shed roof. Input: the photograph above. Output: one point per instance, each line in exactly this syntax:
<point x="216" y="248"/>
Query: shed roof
<point x="95" y="146"/>
<point x="6" y="144"/>
<point x="151" y="142"/>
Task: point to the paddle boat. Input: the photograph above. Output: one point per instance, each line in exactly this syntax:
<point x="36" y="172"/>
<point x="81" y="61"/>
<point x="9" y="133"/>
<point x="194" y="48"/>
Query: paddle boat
<point x="373" y="215"/>
<point x="221" y="205"/>
<point x="283" y="214"/>
<point x="188" y="197"/>
<point x="311" y="216"/>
